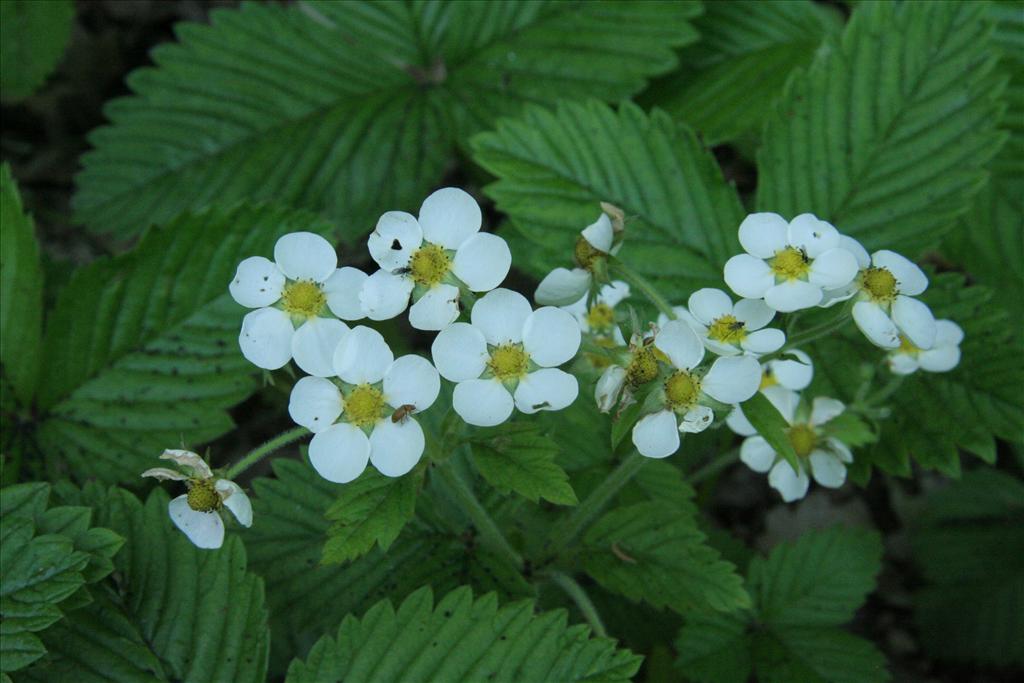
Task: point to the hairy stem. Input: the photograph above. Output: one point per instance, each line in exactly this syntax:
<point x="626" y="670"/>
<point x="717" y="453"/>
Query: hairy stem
<point x="582" y="600"/>
<point x="812" y="333"/>
<point x="489" y="532"/>
<point x="714" y="466"/>
<point x="641" y="284"/>
<point x="257" y="454"/>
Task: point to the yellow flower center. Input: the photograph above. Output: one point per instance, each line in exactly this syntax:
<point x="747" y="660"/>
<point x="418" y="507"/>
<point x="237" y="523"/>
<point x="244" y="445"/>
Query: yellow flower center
<point x="790" y="264"/>
<point x="879" y="283"/>
<point x="803" y="438"/>
<point x="303" y="298"/>
<point x="908" y="347"/>
<point x="586" y="253"/>
<point x="643" y="366"/>
<point x="508" y="361"/>
<point x="429" y="265"/>
<point x="600" y="317"/>
<point x="203" y="496"/>
<point x="767" y="380"/>
<point x="682" y="390"/>
<point x="727" y="329"/>
<point x="364" y="406"/>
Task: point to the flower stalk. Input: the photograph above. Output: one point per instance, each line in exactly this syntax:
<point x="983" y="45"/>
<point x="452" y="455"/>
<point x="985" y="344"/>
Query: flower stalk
<point x="257" y="454"/>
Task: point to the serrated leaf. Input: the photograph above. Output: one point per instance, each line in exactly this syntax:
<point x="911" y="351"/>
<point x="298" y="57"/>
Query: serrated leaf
<point x="21" y="297"/>
<point x="969" y="544"/>
<point x="32" y="39"/>
<point x="886" y="135"/>
<point x="772" y="427"/>
<point x="142" y="349"/>
<point x="350" y="108"/>
<point x="518" y="457"/>
<point x="463" y="639"/>
<point x="554" y="168"/>
<point x="370" y="510"/>
<point x="656" y="553"/>
<point x="716" y="648"/>
<point x="817" y="655"/>
<point x="747" y="49"/>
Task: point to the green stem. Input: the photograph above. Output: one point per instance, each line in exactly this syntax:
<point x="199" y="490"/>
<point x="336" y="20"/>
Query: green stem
<point x="489" y="532"/>
<point x="565" y="532"/>
<point x="582" y="600"/>
<point x="257" y="454"/>
<point x="641" y="284"/>
<point x="713" y="467"/>
<point x="811" y="333"/>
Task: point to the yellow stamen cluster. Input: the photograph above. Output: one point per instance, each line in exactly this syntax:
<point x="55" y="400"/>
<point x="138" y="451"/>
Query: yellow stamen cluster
<point x="790" y="264"/>
<point x="803" y="438"/>
<point x="587" y="254"/>
<point x="767" y="380"/>
<point x="508" y="361"/>
<point x="303" y="298"/>
<point x="879" y="284"/>
<point x="643" y="366"/>
<point x="600" y="317"/>
<point x="727" y="329"/>
<point x="682" y="390"/>
<point x="429" y="265"/>
<point x="203" y="496"/>
<point x="365" y="406"/>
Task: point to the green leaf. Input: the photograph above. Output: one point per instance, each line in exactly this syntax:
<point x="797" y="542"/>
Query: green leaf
<point x="716" y="648"/>
<point x="748" y="48"/>
<point x="177" y="612"/>
<point x="142" y="349"/>
<point x="462" y="639"/>
<point x="518" y="457"/>
<point x="350" y="108"/>
<point x="817" y="655"/>
<point x="969" y="544"/>
<point x="372" y="509"/>
<point x="887" y="134"/>
<point x="21" y="296"/>
<point x="554" y="168"/>
<point x="656" y="553"/>
<point x="32" y="39"/>
<point x="772" y="427"/>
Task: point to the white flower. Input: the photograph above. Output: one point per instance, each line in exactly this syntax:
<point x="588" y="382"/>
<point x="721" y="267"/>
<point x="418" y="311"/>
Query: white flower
<point x="685" y="394"/>
<point x="428" y="258"/>
<point x="508" y="357"/>
<point x="885" y="309"/>
<point x="609" y="387"/>
<point x="794" y="374"/>
<point x="196" y="513"/>
<point x="599" y="319"/>
<point x="563" y="287"/>
<point x="727" y="329"/>
<point x="368" y="418"/>
<point x="943" y="356"/>
<point x="296" y="290"/>
<point x="789" y="265"/>
<point x="824" y="456"/>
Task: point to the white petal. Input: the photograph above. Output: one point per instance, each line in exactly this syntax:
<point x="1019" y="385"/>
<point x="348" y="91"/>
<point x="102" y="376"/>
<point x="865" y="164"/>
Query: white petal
<point x="939" y="359"/>
<point x="656" y="435"/>
<point x="482" y="402"/>
<point x="755" y="313"/>
<point x="609" y="387"/>
<point x="315" y="403"/>
<point x="339" y="454"/>
<point x="314" y="343"/>
<point x="482" y="261"/>
<point x="551" y="336"/>
<point x="876" y="325"/>
<point x="739" y="423"/>
<point x="204" y="529"/>
<point x="763" y="234"/>
<point x="305" y="256"/>
<point x="824" y="409"/>
<point x="948" y="333"/>
<point x="449" y="217"/>
<point x="764" y="341"/>
<point x="827" y="469"/>
<point x="910" y="279"/>
<point x="840" y="449"/>
<point x="500" y="315"/>
<point x="613" y="293"/>
<point x="258" y="282"/>
<point x="562" y="287"/>
<point x="915" y="320"/>
<point x="384" y="295"/>
<point x="436" y="309"/>
<point x="546" y="389"/>
<point x="831" y="297"/>
<point x="784" y="400"/>
<point x="460" y="352"/>
<point x="748" y="276"/>
<point x="697" y="420"/>
<point x="342" y="290"/>
<point x="732" y="380"/>
<point x="706" y="305"/>
<point x="680" y="343"/>
<point x="236" y="501"/>
<point x="411" y="380"/>
<point x="789" y="483"/>
<point x="189" y="460"/>
<point x="600" y="233"/>
<point x="719" y="348"/>
<point x="813" y="235"/>
<point x="394" y="240"/>
<point x="904" y="363"/>
<point x="859" y="252"/>
<point x="362" y="356"/>
<point x="757" y="454"/>
<point x="164" y="474"/>
<point x="396" y="447"/>
<point x="795" y="373"/>
<point x="792" y="295"/>
<point x="833" y="268"/>
<point x="266" y="338"/>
